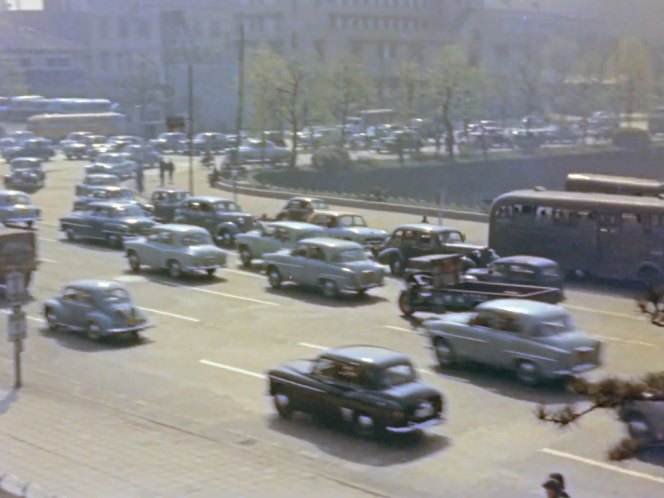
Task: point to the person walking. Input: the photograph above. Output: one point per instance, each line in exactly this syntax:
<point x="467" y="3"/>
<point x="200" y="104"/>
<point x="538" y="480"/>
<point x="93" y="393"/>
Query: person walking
<point x="162" y="171"/>
<point x="140" y="177"/>
<point x="552" y="489"/>
<point x="171" y="170"/>
<point x="561" y="480"/>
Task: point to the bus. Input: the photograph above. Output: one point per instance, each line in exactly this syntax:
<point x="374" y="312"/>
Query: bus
<point x="78" y="106"/>
<point x="608" y="236"/>
<point x="22" y="107"/>
<point x="58" y="126"/>
<point x="609" y="184"/>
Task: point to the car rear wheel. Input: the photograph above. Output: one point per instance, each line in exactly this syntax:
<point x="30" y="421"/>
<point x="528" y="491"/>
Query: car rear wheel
<point x="364" y="425"/>
<point x="274" y="277"/>
<point x="528" y="373"/>
<point x="639" y="428"/>
<point x="174" y="269"/>
<point x="114" y="240"/>
<point x="70" y="234"/>
<point x="51" y="319"/>
<point x="245" y="256"/>
<point x="396" y="266"/>
<point x="134" y="261"/>
<point x="225" y="238"/>
<point x="406" y="303"/>
<point x="93" y="331"/>
<point x="210" y="272"/>
<point x="330" y="288"/>
<point x="282" y="403"/>
<point x="444" y="353"/>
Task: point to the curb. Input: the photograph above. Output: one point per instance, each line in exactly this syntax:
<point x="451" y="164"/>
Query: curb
<point x="360" y="204"/>
<point x="14" y="486"/>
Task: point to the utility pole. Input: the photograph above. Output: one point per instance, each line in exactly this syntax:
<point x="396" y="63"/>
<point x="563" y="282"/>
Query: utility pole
<point x="190" y="84"/>
<point x="16" y="321"/>
<point x="240" y="96"/>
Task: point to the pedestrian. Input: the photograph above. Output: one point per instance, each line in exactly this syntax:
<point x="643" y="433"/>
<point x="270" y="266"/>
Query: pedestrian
<point x="139" y="177"/>
<point x="561" y="480"/>
<point x="162" y="171"/>
<point x="425" y="219"/>
<point x="553" y="489"/>
<point x="171" y="170"/>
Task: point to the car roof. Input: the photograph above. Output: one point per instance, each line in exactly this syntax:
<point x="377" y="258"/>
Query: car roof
<point x="303" y="198"/>
<point x="181" y="229"/>
<point x="102" y="175"/>
<point x="296" y="225"/>
<point x="207" y="198"/>
<point x="169" y="190"/>
<point x="366" y="354"/>
<point x="426" y="227"/>
<point x="94" y="284"/>
<point x="522" y="307"/>
<point x="527" y="260"/>
<point x="113" y="204"/>
<point x="11" y="192"/>
<point x="330" y="212"/>
<point x="331" y="243"/>
<point x="109" y="188"/>
<point x="29" y="159"/>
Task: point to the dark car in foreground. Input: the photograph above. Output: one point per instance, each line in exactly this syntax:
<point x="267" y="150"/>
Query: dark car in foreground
<point x="373" y="389"/>
<point x="644" y="419"/>
<point x="525" y="270"/>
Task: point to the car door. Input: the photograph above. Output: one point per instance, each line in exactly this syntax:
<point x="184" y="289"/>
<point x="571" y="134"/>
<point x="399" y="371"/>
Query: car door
<point x="208" y="217"/>
<point x="149" y="250"/>
<point x="295" y="264"/>
<point x="87" y="221"/>
<point x="101" y="217"/>
<point x="158" y="201"/>
<point x="78" y="307"/>
<point x="521" y="274"/>
<point x="165" y="249"/>
<point x="475" y="343"/>
<point x="192" y="213"/>
<point x="316" y="266"/>
<point x="505" y="340"/>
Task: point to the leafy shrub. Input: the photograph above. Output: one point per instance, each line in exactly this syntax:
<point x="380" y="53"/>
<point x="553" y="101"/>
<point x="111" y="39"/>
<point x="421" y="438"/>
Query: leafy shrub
<point x="330" y="158"/>
<point x="631" y="138"/>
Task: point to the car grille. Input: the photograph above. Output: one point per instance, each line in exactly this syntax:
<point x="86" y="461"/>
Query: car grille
<point x="426" y="409"/>
<point x="370" y="277"/>
<point x="373" y="241"/>
<point x="585" y="355"/>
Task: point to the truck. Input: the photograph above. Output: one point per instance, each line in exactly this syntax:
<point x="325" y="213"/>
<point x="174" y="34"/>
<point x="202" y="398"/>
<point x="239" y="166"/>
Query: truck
<point x="18" y="253"/>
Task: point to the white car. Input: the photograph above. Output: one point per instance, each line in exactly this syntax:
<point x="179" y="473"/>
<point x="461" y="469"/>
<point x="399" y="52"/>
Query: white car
<point x="113" y="163"/>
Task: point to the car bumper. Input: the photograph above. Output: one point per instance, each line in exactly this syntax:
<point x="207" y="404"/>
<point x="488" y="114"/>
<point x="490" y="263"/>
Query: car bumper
<point x="578" y="369"/>
<point x="415" y="426"/>
<point x="201" y="268"/>
<point x="364" y="287"/>
<point x="128" y="330"/>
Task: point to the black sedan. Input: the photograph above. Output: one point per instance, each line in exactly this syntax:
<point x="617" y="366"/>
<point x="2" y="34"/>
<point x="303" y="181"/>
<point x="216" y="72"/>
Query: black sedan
<point x="371" y="388"/>
<point x="36" y="147"/>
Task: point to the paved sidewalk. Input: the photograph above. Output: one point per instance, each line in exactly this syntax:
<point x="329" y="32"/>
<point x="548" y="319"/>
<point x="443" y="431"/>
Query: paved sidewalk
<point x="77" y="448"/>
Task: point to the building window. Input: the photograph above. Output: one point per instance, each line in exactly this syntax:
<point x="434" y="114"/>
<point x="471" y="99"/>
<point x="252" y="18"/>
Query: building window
<point x="103" y="27"/>
<point x="57" y="62"/>
<point x="143" y="28"/>
<point x="123" y="31"/>
<point x="25" y="62"/>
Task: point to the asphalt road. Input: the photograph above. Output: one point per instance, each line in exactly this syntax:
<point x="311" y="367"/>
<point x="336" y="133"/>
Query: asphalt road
<point x="202" y="369"/>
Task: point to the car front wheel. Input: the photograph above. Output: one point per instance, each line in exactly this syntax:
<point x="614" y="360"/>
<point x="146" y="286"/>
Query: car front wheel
<point x="274" y="277"/>
<point x="174" y="269"/>
<point x="396" y="266"/>
<point x="282" y="404"/>
<point x="528" y="373"/>
<point x="444" y="353"/>
<point x="70" y="234"/>
<point x="245" y="256"/>
<point x="134" y="262"/>
<point x="406" y="303"/>
<point x="51" y="319"/>
<point x="93" y="331"/>
<point x="330" y="288"/>
<point x="639" y="428"/>
<point x="364" y="425"/>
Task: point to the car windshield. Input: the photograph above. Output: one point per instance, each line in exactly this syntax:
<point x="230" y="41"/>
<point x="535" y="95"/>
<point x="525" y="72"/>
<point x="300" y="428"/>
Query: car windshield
<point x="127" y="211"/>
<point x="226" y="206"/>
<point x="196" y="239"/>
<point x="351" y="221"/>
<point x="551" y="272"/>
<point x="12" y="200"/>
<point x="121" y="194"/>
<point x="116" y="295"/>
<point x="450" y="237"/>
<point x="350" y="255"/>
<point x="397" y="375"/>
<point x="110" y="159"/>
<point x="554" y="325"/>
<point x="319" y="204"/>
<point x="24" y="165"/>
<point x="99" y="181"/>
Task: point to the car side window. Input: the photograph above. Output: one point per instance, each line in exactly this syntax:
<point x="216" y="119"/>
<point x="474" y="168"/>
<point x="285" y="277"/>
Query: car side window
<point x="300" y="251"/>
<point x="397" y="235"/>
<point x="316" y="253"/>
<point x="522" y="271"/>
<point x="425" y="240"/>
<point x="281" y="234"/>
<point x="326" y="368"/>
<point x="409" y="236"/>
<point x="483" y="319"/>
<point x="69" y="294"/>
<point x="194" y="206"/>
<point x="349" y="373"/>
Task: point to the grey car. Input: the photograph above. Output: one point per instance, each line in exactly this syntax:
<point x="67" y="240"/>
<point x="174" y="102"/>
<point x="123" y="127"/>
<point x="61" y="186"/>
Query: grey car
<point x="16" y="208"/>
<point x="349" y="226"/>
<point x="333" y="265"/>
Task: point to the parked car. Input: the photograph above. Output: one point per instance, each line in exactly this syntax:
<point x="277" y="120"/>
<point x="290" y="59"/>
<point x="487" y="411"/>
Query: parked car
<point x="371" y="388"/>
<point x="537" y="340"/>
<point x="98" y="308"/>
<point x="301" y="208"/>
<point x="110" y="193"/>
<point x="35" y="147"/>
<point x="96" y="180"/>
<point x="221" y="217"/>
<point x="419" y="239"/>
<point x="22" y="136"/>
<point x="211" y="142"/>
<point x="349" y="226"/>
<point x="525" y="270"/>
<point x="406" y="140"/>
<point x="255" y="150"/>
<point x="168" y="142"/>
<point x="142" y="154"/>
<point x="333" y="265"/>
<point x="113" y="163"/>
<point x="645" y="420"/>
<point x="16" y="208"/>
<point x="179" y="249"/>
<point x="112" y="222"/>
<point x="7" y="143"/>
<point x="272" y="237"/>
<point x="78" y="150"/>
<point x="165" y="201"/>
<point x="25" y="174"/>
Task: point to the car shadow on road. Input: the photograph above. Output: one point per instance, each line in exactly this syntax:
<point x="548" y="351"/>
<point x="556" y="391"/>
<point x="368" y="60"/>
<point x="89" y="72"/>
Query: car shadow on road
<point x="8" y="400"/>
<point x="190" y="280"/>
<point x="92" y="245"/>
<point x="504" y="383"/>
<point x="78" y="342"/>
<point x="336" y="439"/>
<point x="313" y="295"/>
<point x="628" y="290"/>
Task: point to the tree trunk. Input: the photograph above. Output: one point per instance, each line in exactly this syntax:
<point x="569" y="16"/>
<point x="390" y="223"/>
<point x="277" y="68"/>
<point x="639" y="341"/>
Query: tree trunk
<point x="447" y="123"/>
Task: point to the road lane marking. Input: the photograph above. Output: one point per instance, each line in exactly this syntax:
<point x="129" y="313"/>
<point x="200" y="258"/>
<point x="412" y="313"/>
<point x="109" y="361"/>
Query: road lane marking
<point x="243" y="273"/>
<point x="603" y="465"/>
<point x="626" y="341"/>
<point x="232" y="369"/>
<point x="47" y="260"/>
<point x="45" y="239"/>
<point x="400" y="329"/>
<point x="230" y="296"/>
<point x="312" y="346"/>
<point x="603" y="312"/>
<point x="172" y="315"/>
<point x="31" y="318"/>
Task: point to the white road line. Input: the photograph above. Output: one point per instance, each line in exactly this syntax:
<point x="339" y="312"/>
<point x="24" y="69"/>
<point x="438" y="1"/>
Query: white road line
<point x="232" y="369"/>
<point x="243" y="273"/>
<point x="603" y="465"/>
<point x="230" y="296"/>
<point x="47" y="260"/>
<point x="603" y="312"/>
<point x="626" y="341"/>
<point x="400" y="329"/>
<point x="173" y="315"/>
<point x="45" y="239"/>
<point x="31" y="318"/>
<point x="312" y="346"/>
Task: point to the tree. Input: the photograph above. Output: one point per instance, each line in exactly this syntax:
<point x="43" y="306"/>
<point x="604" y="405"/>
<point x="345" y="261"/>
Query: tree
<point x="409" y="79"/>
<point x="289" y="80"/>
<point x="12" y="77"/>
<point x="634" y="71"/>
<point x="351" y="89"/>
<point x="529" y="79"/>
<point x="610" y="393"/>
<point x="560" y="57"/>
<point x="261" y="68"/>
<point x="453" y="85"/>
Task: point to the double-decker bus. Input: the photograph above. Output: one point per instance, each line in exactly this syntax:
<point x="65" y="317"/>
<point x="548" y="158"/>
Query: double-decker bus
<point x="604" y="235"/>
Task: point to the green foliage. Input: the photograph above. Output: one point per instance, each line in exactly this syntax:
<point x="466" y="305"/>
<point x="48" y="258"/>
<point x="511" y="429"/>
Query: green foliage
<point x="12" y="78"/>
<point x="331" y="159"/>
<point x="631" y="138"/>
<point x="410" y="79"/>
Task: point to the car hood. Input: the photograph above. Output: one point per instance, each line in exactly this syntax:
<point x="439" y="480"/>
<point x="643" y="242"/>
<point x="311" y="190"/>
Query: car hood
<point x="367" y="232"/>
<point x="299" y="366"/>
<point x="463" y="248"/>
<point x="412" y="393"/>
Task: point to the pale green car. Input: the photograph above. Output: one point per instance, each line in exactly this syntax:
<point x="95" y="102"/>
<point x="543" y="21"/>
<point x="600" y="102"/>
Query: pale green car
<point x="179" y="249"/>
<point x="272" y="237"/>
